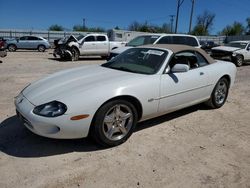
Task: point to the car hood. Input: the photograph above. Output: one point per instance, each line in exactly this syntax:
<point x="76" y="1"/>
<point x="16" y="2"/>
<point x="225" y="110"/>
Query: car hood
<point x="69" y="82"/>
<point x="66" y="40"/>
<point x="226" y="48"/>
<point x="120" y="49"/>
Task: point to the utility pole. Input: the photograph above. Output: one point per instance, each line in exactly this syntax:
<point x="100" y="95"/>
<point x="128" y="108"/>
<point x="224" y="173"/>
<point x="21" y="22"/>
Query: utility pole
<point x="179" y="3"/>
<point x="191" y="16"/>
<point x="171" y="21"/>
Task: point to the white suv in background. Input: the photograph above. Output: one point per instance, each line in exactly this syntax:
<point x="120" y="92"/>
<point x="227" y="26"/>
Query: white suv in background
<point x="189" y="40"/>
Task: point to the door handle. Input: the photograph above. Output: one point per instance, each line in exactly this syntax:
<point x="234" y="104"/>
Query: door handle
<point x="201" y="73"/>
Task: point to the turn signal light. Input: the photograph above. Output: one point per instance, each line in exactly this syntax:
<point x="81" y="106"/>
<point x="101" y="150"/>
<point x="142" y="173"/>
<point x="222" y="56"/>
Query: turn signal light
<point x="78" y="117"/>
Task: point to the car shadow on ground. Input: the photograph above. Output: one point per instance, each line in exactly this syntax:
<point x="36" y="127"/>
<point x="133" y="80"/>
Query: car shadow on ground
<point x="167" y="117"/>
<point x="17" y="141"/>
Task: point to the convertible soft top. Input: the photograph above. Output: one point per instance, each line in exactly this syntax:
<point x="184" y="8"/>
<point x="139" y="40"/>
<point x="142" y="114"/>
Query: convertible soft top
<point x="175" y="48"/>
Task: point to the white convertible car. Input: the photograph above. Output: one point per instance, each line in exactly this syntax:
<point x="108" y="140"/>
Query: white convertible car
<point x="106" y="101"/>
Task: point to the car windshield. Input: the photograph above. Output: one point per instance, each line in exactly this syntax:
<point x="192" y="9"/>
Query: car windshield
<point x="143" y="40"/>
<point x="241" y="45"/>
<point x="138" y="60"/>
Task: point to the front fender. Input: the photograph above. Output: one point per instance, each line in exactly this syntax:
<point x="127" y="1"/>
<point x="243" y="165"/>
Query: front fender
<point x="73" y="44"/>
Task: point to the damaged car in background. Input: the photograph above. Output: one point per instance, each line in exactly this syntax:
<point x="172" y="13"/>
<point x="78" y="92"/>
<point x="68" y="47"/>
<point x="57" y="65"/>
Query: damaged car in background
<point x="71" y="48"/>
<point x="237" y="52"/>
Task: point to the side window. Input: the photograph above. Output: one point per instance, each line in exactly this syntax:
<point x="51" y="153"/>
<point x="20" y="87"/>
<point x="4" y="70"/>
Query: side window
<point x="101" y="38"/>
<point x="165" y="40"/>
<point x="23" y="38"/>
<point x="201" y="60"/>
<point x="191" y="41"/>
<point x="89" y="39"/>
<point x="32" y="38"/>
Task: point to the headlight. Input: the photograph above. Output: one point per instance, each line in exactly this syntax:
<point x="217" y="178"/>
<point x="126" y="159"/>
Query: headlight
<point x="51" y="109"/>
<point x="234" y="54"/>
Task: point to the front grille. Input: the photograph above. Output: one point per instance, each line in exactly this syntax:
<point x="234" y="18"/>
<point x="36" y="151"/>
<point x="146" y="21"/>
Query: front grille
<point x="219" y="54"/>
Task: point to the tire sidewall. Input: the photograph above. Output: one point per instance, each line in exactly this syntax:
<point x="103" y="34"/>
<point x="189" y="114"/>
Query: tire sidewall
<point x="97" y="129"/>
<point x="12" y="48"/>
<point x="215" y="104"/>
<point x="238" y="57"/>
<point x="41" y="48"/>
<point x="75" y="54"/>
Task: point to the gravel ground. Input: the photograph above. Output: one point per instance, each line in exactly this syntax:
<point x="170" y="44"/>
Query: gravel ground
<point x="194" y="147"/>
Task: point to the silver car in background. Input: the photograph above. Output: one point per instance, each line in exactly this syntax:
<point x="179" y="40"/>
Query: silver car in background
<point x="28" y="42"/>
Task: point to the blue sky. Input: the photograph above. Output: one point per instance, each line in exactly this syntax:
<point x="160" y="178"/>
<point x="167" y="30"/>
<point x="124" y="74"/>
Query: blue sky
<point x="33" y="14"/>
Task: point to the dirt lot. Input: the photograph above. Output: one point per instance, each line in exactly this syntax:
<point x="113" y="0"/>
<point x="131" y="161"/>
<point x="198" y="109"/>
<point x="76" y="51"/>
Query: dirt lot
<point x="194" y="147"/>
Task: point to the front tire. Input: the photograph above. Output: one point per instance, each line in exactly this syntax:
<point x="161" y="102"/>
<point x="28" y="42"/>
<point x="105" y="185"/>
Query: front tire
<point x="219" y="94"/>
<point x="41" y="48"/>
<point x="114" y="123"/>
<point x="75" y="54"/>
<point x="239" y="60"/>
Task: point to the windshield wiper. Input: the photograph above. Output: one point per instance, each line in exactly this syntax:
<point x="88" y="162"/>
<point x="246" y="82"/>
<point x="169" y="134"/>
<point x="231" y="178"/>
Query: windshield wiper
<point x="124" y="69"/>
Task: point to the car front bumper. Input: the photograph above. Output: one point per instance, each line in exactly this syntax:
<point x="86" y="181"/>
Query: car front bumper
<point x="60" y="127"/>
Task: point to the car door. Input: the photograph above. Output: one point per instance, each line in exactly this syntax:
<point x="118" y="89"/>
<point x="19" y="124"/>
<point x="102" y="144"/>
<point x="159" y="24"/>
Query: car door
<point x="89" y="46"/>
<point x="102" y="45"/>
<point x="22" y="43"/>
<point x="32" y="42"/>
<point x="181" y="89"/>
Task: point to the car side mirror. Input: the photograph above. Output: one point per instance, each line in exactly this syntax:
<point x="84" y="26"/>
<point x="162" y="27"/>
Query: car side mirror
<point x="248" y="48"/>
<point x="180" y="68"/>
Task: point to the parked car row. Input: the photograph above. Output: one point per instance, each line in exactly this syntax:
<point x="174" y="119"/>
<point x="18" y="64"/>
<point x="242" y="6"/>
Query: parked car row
<point x="71" y="48"/>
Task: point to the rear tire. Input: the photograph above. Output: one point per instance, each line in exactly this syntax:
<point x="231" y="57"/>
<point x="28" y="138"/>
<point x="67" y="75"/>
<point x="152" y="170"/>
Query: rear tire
<point x="114" y="123"/>
<point x="219" y="94"/>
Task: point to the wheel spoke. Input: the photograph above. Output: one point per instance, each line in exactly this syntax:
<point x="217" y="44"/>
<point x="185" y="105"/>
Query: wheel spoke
<point x="109" y="118"/>
<point x="123" y="129"/>
<point x="125" y="116"/>
<point x="110" y="132"/>
<point x="117" y="110"/>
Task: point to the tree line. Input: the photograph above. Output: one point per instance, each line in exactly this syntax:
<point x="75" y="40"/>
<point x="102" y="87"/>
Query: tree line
<point x="203" y="26"/>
